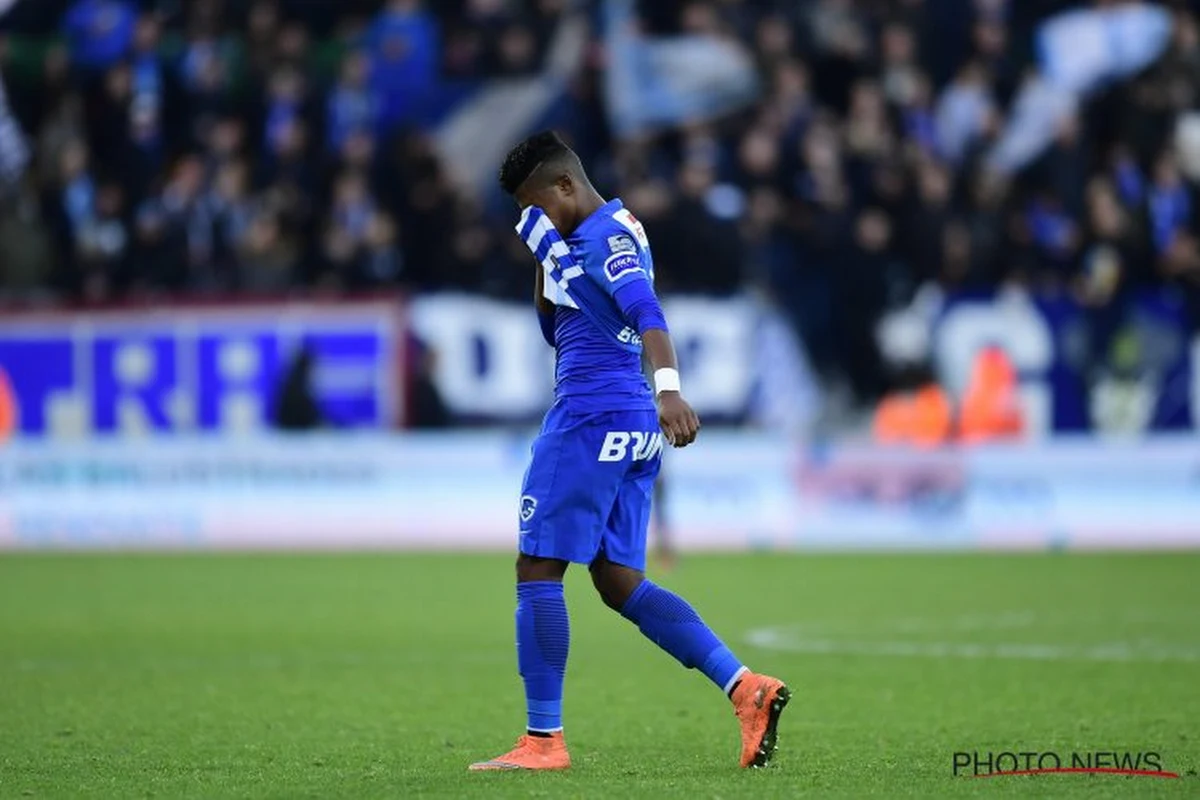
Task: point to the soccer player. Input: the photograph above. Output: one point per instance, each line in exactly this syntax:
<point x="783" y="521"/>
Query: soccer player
<point x="587" y="492"/>
<point x="665" y="548"/>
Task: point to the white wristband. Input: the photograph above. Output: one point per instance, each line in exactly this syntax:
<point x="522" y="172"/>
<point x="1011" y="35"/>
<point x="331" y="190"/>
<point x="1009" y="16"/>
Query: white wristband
<point x="666" y="380"/>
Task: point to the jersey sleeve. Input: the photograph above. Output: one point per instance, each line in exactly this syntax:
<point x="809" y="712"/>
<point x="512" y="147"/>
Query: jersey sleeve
<point x="614" y="260"/>
<point x="640" y="307"/>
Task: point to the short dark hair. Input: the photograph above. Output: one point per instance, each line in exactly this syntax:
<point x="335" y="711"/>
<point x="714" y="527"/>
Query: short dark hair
<point x="523" y="159"/>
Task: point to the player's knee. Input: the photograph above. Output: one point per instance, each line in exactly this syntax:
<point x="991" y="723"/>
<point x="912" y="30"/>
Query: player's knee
<point x="532" y="568"/>
<point x="608" y="595"/>
<point x="615" y="583"/>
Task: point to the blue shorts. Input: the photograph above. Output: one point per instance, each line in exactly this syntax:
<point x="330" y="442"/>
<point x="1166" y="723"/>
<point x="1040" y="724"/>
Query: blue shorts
<point x="589" y="486"/>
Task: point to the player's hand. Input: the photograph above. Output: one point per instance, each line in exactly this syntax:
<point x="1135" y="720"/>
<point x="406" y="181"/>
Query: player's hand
<point x="679" y="423"/>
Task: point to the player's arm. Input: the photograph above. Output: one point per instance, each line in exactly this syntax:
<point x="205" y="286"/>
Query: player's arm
<point x="676" y="417"/>
<point x="641" y="308"/>
<point x="545" y="309"/>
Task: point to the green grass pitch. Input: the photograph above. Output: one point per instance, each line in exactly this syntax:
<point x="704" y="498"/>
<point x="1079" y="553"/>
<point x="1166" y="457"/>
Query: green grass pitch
<point x="364" y="676"/>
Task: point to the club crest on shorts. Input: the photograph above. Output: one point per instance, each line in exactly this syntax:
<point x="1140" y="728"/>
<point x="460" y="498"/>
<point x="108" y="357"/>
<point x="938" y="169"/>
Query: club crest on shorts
<point x="528" y="507"/>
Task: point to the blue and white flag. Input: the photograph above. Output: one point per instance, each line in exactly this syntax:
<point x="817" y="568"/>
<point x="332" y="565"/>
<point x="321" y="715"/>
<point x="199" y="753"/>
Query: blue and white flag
<point x="1079" y="52"/>
<point x="1082" y="50"/>
<point x="653" y="82"/>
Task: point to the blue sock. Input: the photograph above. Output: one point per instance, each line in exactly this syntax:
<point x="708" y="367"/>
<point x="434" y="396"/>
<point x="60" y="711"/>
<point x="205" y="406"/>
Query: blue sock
<point x="543" y="638"/>
<point x="667" y="620"/>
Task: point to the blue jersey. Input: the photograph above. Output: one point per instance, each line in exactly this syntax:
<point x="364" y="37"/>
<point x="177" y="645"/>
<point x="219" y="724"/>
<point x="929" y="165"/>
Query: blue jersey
<point x="599" y="351"/>
<point x="589" y="485"/>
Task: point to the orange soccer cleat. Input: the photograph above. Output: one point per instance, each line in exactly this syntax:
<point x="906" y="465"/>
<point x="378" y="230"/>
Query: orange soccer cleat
<point x="758" y="701"/>
<point x="531" y="752"/>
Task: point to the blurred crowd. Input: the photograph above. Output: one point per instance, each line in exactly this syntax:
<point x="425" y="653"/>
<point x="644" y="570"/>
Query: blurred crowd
<point x="862" y="176"/>
<point x="218" y="147"/>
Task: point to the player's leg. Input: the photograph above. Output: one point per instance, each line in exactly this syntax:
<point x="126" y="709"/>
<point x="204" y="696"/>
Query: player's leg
<point x="561" y="499"/>
<point x="543" y="640"/>
<point x="666" y="619"/>
<point x="670" y="622"/>
<point x="542" y="626"/>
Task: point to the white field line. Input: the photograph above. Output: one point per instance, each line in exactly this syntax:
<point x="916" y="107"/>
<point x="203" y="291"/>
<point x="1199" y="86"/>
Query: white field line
<point x="795" y="639"/>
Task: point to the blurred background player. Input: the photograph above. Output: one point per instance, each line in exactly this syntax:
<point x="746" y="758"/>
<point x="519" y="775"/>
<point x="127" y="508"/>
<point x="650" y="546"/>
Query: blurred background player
<point x="665" y="553"/>
<point x="664" y="540"/>
<point x="587" y="492"/>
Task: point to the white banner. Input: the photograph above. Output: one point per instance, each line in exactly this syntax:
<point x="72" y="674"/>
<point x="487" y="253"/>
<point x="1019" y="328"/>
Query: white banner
<point x="731" y="491"/>
<point x="1067" y="492"/>
<point x="493" y="363"/>
<point x="305" y="491"/>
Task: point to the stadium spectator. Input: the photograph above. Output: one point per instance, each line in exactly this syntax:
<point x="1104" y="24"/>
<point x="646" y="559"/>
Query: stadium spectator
<point x="268" y="254"/>
<point x="964" y="113"/>
<point x="102" y="245"/>
<point x="427" y="409"/>
<point x="233" y="214"/>
<point x="8" y="408"/>
<point x="403" y="40"/>
<point x="99" y="32"/>
<point x="296" y="409"/>
<point x="989" y="409"/>
<point x="77" y="202"/>
<point x="918" y="413"/>
<point x="354" y="105"/>
<point x="174" y="233"/>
